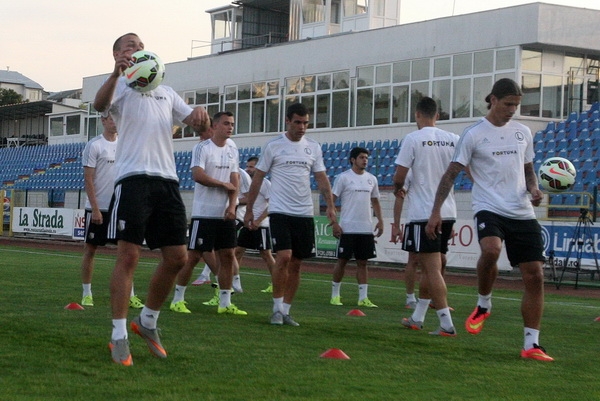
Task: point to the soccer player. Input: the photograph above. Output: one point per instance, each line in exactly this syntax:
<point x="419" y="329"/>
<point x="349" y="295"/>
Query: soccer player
<point x="427" y="153"/>
<point x="215" y="164"/>
<point x="146" y="204"/>
<point x="260" y="238"/>
<point x="499" y="153"/>
<point x="98" y="161"/>
<point x="290" y="159"/>
<point x="357" y="191"/>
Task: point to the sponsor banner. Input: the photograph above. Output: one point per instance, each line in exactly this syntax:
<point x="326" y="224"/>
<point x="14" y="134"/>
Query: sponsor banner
<point x="325" y="242"/>
<point x="79" y="224"/>
<point x="5" y="195"/>
<point x="572" y="243"/>
<point x="42" y="221"/>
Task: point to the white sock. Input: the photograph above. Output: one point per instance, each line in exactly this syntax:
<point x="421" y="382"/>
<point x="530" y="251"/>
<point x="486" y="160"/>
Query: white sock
<point x="179" y="294"/>
<point x="411" y="298"/>
<point x="277" y="304"/>
<point x="335" y="289"/>
<point x="119" y="330"/>
<point x="236" y="281"/>
<point x="132" y="291"/>
<point x="87" y="289"/>
<point x="206" y="271"/>
<point x="286" y="308"/>
<point x="485" y="301"/>
<point x="420" y="310"/>
<point x="362" y="291"/>
<point x="445" y="318"/>
<point x="148" y="318"/>
<point x="224" y="298"/>
<point x="532" y="336"/>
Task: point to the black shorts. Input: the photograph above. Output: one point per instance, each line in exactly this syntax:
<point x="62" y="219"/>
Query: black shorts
<point x="95" y="234"/>
<point x="259" y="239"/>
<point x="361" y="246"/>
<point x="212" y="234"/>
<point x="293" y="232"/>
<point x="523" y="238"/>
<point x="415" y="238"/>
<point x="148" y="208"/>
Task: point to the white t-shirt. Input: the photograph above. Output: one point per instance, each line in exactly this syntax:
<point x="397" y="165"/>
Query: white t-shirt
<point x="290" y="165"/>
<point x="355" y="192"/>
<point x="427" y="153"/>
<point x="144" y="123"/>
<point x="245" y="181"/>
<point x="496" y="156"/>
<point x="99" y="154"/>
<point x="219" y="163"/>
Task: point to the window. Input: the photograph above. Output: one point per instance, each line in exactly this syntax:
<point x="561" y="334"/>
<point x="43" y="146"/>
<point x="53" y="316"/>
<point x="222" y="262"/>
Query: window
<point x="74" y="124"/>
<point x="56" y="126"/>
<point x="222" y="25"/>
<point x="313" y="11"/>
<point x="354" y="7"/>
<point x="255" y="105"/>
<point x="209" y="98"/>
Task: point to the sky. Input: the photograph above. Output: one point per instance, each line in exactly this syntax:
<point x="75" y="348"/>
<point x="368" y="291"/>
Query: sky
<point x="57" y="43"/>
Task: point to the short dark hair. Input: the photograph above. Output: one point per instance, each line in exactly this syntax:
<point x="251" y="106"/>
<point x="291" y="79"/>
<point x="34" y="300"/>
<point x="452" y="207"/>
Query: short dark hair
<point x="220" y="114"/>
<point x="502" y="88"/>
<point x="427" y="106"/>
<point x="252" y="159"/>
<point x="117" y="44"/>
<point x="355" y="152"/>
<point x="296" y="108"/>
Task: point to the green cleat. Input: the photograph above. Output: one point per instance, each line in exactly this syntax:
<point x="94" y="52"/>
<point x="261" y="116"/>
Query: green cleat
<point x="336" y="301"/>
<point x="87" y="301"/>
<point x="269" y="289"/>
<point x="180" y="307"/>
<point x="231" y="310"/>
<point x="366" y="303"/>
<point x="214" y="301"/>
<point x="135" y="302"/>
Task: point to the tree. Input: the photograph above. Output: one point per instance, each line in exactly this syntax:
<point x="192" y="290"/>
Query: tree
<point x="9" y="96"/>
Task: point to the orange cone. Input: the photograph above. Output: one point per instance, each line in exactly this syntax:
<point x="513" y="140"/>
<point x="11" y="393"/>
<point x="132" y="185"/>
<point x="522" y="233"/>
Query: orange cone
<point x="597" y="319"/>
<point x="74" y="306"/>
<point x="334" y="353"/>
<point x="355" y="312"/>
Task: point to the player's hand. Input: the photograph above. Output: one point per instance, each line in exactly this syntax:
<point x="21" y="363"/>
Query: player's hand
<point x="336" y="229"/>
<point x="434" y="226"/>
<point x="249" y="219"/>
<point x="536" y="197"/>
<point x="396" y="234"/>
<point x="122" y="62"/>
<point x="230" y="213"/>
<point x="96" y="216"/>
<point x="379" y="229"/>
<point x="229" y="186"/>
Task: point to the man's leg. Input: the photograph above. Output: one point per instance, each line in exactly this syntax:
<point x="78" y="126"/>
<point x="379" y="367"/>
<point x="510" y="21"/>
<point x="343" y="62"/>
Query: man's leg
<point x="87" y="269"/>
<point x="172" y="261"/>
<point x="336" y="281"/>
<point x="122" y="277"/>
<point x="532" y="304"/>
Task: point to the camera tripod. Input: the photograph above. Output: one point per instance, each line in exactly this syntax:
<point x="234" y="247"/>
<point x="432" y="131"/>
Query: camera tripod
<point x="581" y="237"/>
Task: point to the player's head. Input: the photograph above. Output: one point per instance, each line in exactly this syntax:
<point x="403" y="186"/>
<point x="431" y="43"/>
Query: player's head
<point x="296" y="108"/>
<point x="128" y="43"/>
<point x="108" y="124"/>
<point x="502" y="88"/>
<point x="297" y="121"/>
<point x="427" y="107"/>
<point x="251" y="165"/>
<point x="359" y="158"/>
<point x="223" y="123"/>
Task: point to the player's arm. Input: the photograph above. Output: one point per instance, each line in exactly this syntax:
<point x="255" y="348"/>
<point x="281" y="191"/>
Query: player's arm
<point x="325" y="189"/>
<point x="399" y="193"/>
<point x="257" y="181"/>
<point x="89" y="173"/>
<point x="335" y="226"/>
<point x="377" y="210"/>
<point x="234" y="178"/>
<point x="201" y="177"/>
<point x="532" y="184"/>
<point x="198" y="119"/>
<point x="434" y="225"/>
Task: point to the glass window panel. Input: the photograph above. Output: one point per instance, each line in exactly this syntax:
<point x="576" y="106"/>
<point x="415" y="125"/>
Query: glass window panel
<point x="309" y="102"/>
<point x="551" y="96"/>
<point x="213" y="95"/>
<point x="308" y="84"/>
<point x="221" y="25"/>
<point x="482" y="86"/>
<point x="400" y="104"/>
<point x="418" y="91"/>
<point x="232" y="107"/>
<point x="313" y="11"/>
<point x="322" y="112"/>
<point x="505" y="59"/>
<point x="189" y="97"/>
<point x="258" y="116"/>
<point x="382" y="106"/>
<point x="461" y="98"/>
<point x="483" y="62"/>
<point x="242" y="118"/>
<point x="259" y="90"/>
<point x="354" y="7"/>
<point x="441" y="67"/>
<point x="462" y="64"/>
<point x="420" y="70"/>
<point x="292" y="85"/>
<point x="185" y="132"/>
<point x="341" y="80"/>
<point x="324" y="82"/>
<point x="365" y="76"/>
<point x="94" y="130"/>
<point x="213" y="109"/>
<point x="200" y="97"/>
<point x="441" y="94"/>
<point x="340" y="109"/>
<point x="509" y="75"/>
<point x="244" y="92"/>
<point x="383" y="74"/>
<point x="272" y="117"/>
<point x="531" y="60"/>
<point x="530" y="103"/>
<point x="401" y="72"/>
<point x="73" y="124"/>
<point x="273" y="88"/>
<point x="230" y="93"/>
<point x="364" y="107"/>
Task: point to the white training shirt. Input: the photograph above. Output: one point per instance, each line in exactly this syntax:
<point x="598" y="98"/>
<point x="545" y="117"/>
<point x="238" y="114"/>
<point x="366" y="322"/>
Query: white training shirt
<point x="245" y="181"/>
<point x="99" y="154"/>
<point x="355" y="192"/>
<point x="496" y="157"/>
<point x="427" y="153"/>
<point x="219" y="163"/>
<point x="290" y="165"/>
<point x="144" y="123"/>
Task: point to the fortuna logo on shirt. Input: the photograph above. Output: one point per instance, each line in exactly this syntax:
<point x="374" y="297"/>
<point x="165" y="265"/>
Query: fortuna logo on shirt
<point x="437" y="143"/>
<point x="296" y="162"/>
<point x="504" y="152"/>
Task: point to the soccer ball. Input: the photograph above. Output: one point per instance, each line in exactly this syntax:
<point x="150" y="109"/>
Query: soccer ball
<point x="146" y="72"/>
<point x="557" y="174"/>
